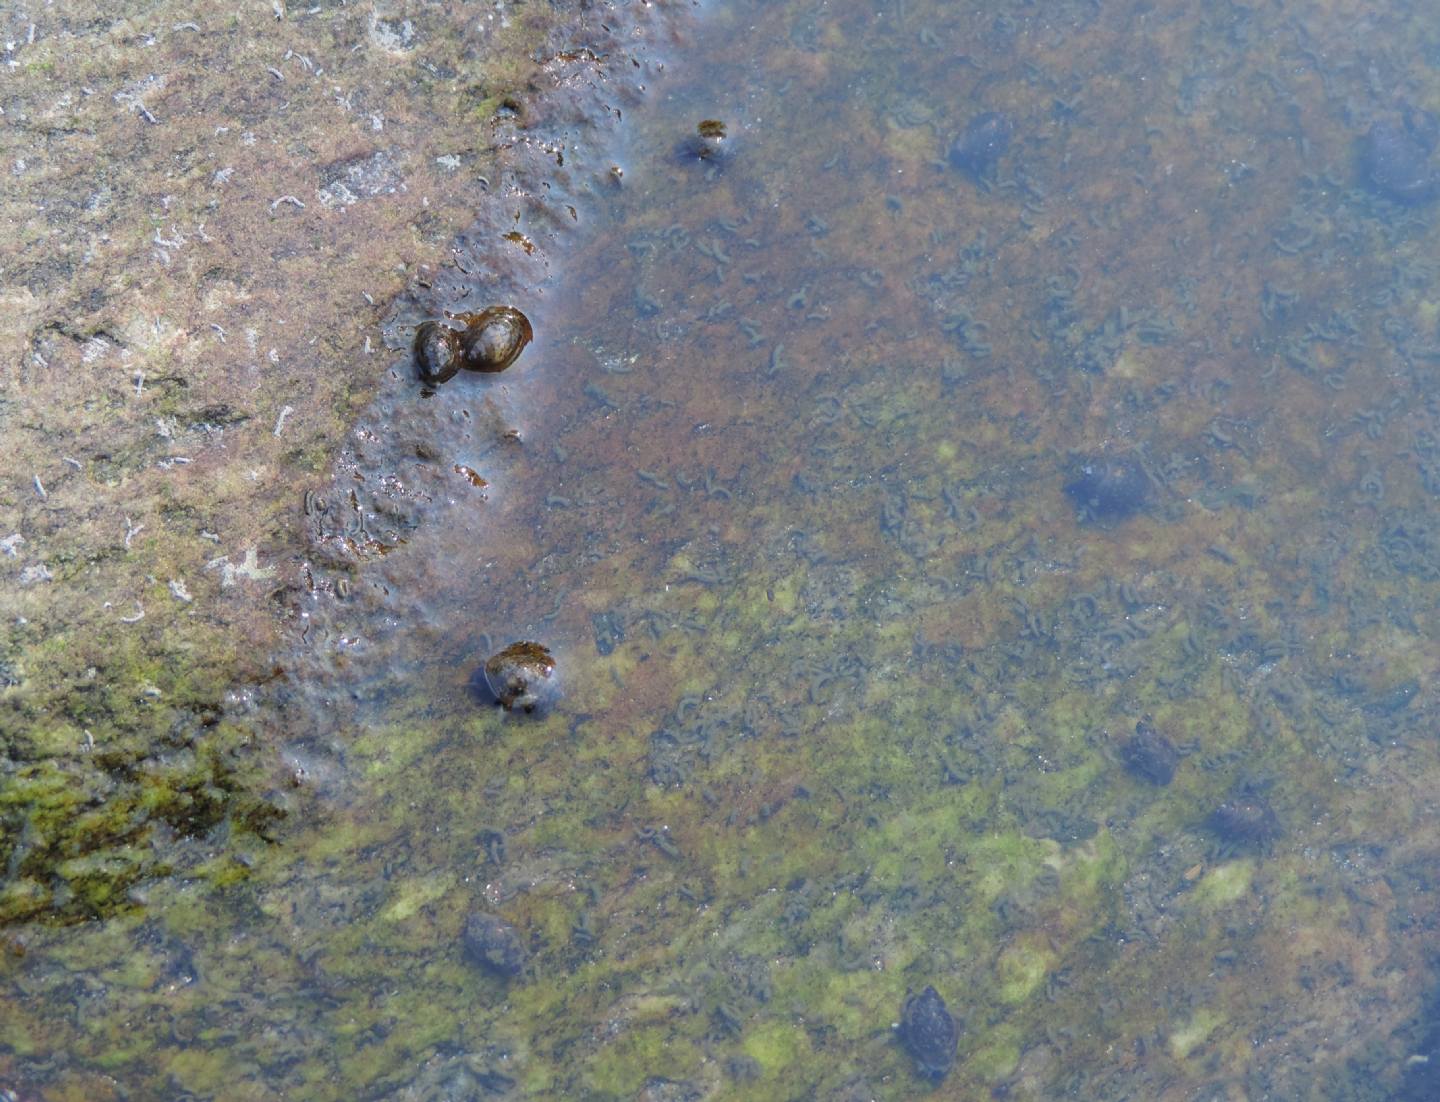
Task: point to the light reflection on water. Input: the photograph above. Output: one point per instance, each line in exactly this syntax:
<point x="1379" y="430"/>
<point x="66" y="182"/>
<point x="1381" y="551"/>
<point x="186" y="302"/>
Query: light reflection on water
<point x="849" y="685"/>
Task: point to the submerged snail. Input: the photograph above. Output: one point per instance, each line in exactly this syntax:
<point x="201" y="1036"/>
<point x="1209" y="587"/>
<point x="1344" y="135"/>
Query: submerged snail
<point x="980" y="146"/>
<point x="929" y="1033"/>
<point x="1150" y="755"/>
<point x="1109" y="488"/>
<point x="706" y="145"/>
<point x="491" y="341"/>
<point x="1395" y="156"/>
<point x="493" y="944"/>
<point x="1246" y="822"/>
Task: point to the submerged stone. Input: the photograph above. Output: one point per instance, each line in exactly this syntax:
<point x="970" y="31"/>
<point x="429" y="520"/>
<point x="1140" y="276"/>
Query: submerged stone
<point x="929" y="1033"/>
<point x="521" y="677"/>
<point x="492" y="943"/>
<point x="982" y="143"/>
<point x="1109" y="487"/>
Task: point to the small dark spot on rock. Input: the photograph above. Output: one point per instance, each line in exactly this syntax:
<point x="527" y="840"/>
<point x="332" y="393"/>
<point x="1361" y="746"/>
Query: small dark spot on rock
<point x="1394" y="700"/>
<point x="609" y="631"/>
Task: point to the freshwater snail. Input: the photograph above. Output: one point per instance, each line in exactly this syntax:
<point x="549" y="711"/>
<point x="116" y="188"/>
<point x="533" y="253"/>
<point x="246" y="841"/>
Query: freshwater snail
<point x="491" y="341"/>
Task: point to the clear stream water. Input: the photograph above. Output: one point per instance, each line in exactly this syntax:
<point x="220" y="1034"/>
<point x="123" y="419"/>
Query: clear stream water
<point x="851" y="683"/>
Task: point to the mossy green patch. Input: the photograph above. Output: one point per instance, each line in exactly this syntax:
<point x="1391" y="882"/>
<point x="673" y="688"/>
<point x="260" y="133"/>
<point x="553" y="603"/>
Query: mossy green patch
<point x="1195" y="1032"/>
<point x="776" y="1046"/>
<point x="411" y="895"/>
<point x="623" y="1065"/>
<point x="1226" y="883"/>
<point x="995" y="1054"/>
<point x="1022" y="968"/>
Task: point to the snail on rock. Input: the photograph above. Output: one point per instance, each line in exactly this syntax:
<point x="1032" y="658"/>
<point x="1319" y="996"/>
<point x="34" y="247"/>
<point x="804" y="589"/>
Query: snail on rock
<point x="491" y="341"/>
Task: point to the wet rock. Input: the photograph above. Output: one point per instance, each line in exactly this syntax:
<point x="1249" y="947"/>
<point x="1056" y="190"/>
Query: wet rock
<point x="929" y="1033"/>
<point x="1149" y="755"/>
<point x="344" y="183"/>
<point x="1109" y="487"/>
<point x="492" y="943"/>
<point x="984" y="141"/>
<point x="437" y="352"/>
<point x="1246" y="822"/>
<point x="1395" y="157"/>
<point x="494" y="338"/>
<point x="522" y="677"/>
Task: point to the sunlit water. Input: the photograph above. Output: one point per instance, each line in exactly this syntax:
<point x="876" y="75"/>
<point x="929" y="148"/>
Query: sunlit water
<point x="850" y="681"/>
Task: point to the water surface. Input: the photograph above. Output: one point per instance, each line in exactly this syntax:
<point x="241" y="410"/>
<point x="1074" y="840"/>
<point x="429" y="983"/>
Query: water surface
<point x="848" y="676"/>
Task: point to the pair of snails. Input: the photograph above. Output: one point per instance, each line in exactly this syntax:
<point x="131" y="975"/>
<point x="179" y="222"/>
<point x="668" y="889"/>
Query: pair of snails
<point x="491" y="341"/>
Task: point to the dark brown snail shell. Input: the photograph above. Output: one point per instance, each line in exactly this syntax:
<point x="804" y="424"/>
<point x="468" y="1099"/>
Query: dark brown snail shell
<point x="494" y="338"/>
<point x="437" y="352"/>
<point x="929" y="1033"/>
<point x="1150" y="755"/>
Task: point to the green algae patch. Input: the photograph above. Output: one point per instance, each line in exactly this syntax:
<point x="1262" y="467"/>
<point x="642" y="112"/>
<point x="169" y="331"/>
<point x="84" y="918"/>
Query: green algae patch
<point x="843" y="998"/>
<point x="995" y="1054"/>
<point x="199" y="1070"/>
<point x="1022" y="967"/>
<point x="1225" y="884"/>
<point x="624" y="1064"/>
<point x="1184" y="1040"/>
<point x="1003" y="861"/>
<point x="415" y="894"/>
<point x="776" y="1046"/>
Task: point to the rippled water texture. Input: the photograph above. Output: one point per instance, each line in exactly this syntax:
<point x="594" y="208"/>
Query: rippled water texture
<point x="1011" y="573"/>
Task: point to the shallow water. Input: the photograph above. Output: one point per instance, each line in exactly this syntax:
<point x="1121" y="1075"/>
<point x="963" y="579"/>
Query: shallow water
<point x="847" y="675"/>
